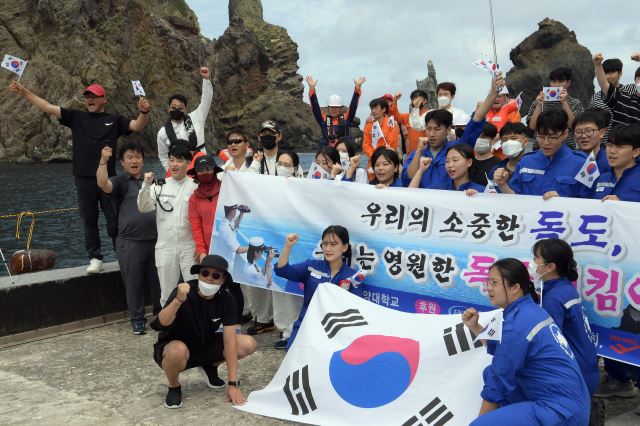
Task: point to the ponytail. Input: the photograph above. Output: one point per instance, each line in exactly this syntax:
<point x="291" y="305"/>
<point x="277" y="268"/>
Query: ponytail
<point x="559" y="253"/>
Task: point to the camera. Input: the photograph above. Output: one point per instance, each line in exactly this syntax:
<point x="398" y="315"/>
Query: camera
<point x="268" y="249"/>
<point x="242" y="208"/>
<point x="158" y="181"/>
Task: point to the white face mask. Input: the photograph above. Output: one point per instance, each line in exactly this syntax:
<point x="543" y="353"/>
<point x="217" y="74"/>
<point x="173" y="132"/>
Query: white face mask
<point x="207" y="289"/>
<point x="284" y="171"/>
<point x="444" y="101"/>
<point x="512" y="148"/>
<point x="483" y="145"/>
<point x="416" y="121"/>
<point x="344" y="156"/>
<point x="638" y="88"/>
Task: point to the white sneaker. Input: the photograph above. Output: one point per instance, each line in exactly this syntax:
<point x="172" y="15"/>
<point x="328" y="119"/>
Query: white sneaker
<point x="95" y="266"/>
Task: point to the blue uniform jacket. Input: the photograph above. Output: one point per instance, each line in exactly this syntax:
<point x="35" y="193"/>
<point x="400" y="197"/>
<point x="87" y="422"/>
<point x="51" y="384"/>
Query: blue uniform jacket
<point x="562" y="302"/>
<point x="602" y="161"/>
<point x="311" y="273"/>
<point x="627" y="188"/>
<point x="449" y="186"/>
<point x="437" y="172"/>
<point x="535" y="174"/>
<point x="534" y="362"/>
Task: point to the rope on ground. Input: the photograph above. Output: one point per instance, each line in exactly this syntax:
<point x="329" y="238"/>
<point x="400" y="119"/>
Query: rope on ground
<point x="21" y="216"/>
<point x="8" y="216"/>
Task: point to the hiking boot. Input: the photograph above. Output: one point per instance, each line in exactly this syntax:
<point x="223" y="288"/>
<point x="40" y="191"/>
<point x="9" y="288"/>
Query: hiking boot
<point x="139" y="327"/>
<point x="246" y="318"/>
<point x="95" y="266"/>
<point x="610" y="387"/>
<point x="173" y="398"/>
<point x="281" y="344"/>
<point x="213" y="381"/>
<point x="260" y="327"/>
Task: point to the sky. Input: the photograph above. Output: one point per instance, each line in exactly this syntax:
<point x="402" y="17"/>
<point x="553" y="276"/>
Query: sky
<point x="390" y="42"/>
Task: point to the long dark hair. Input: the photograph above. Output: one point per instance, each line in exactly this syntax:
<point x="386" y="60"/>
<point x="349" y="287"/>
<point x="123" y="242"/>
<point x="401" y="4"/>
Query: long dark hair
<point x="252" y="253"/>
<point x="559" y="253"/>
<point x="514" y="272"/>
<point x="389" y="155"/>
<point x="343" y="235"/>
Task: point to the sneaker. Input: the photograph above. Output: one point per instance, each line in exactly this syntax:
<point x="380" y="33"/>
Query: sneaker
<point x="281" y="344"/>
<point x="260" y="327"/>
<point x="95" y="266"/>
<point x="173" y="398"/>
<point x="139" y="327"/>
<point x="610" y="387"/>
<point x="246" y="318"/>
<point x="213" y="381"/>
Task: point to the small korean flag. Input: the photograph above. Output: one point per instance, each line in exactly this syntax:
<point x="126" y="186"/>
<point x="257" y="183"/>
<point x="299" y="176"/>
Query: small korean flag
<point x="137" y="88"/>
<point x="14" y="64"/>
<point x="552" y="94"/>
<point x="589" y="171"/>
<point x="493" y="329"/>
<point x="519" y="101"/>
<point x="376" y="135"/>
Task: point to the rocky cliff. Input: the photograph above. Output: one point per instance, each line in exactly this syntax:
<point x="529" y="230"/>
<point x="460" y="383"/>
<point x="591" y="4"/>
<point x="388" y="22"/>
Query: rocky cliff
<point x="72" y="43"/>
<point x="551" y="46"/>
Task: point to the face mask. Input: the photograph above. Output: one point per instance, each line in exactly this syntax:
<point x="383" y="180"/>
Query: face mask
<point x="483" y="145"/>
<point x="268" y="141"/>
<point x="638" y="88"/>
<point x="176" y="114"/>
<point x="344" y="156"/>
<point x="207" y="289"/>
<point x="444" y="101"/>
<point x="284" y="171"/>
<point x="512" y="148"/>
<point x="206" y="178"/>
<point x="459" y="133"/>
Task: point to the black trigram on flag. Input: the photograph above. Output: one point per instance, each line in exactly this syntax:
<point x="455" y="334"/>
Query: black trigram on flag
<point x="336" y="321"/>
<point x="434" y="413"/>
<point x="463" y="336"/>
<point x="298" y="392"/>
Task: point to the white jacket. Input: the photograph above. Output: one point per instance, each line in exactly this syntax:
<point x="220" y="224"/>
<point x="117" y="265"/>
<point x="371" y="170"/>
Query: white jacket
<point x="198" y="118"/>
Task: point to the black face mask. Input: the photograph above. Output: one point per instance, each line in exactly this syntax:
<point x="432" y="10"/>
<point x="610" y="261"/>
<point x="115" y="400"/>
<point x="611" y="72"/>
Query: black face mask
<point x="268" y="141"/>
<point x="176" y="114"/>
<point x="459" y="133"/>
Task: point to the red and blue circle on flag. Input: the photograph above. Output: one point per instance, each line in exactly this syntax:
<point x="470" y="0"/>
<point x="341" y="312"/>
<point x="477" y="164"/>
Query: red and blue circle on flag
<point x="591" y="168"/>
<point x="15" y="64"/>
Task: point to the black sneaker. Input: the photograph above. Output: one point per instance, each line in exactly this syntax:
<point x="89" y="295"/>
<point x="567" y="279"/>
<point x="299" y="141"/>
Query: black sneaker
<point x="213" y="381"/>
<point x="139" y="327"/>
<point x="246" y="318"/>
<point x="173" y="398"/>
<point x="260" y="327"/>
<point x="281" y="344"/>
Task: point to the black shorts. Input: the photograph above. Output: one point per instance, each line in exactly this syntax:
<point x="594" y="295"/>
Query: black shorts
<point x="212" y="354"/>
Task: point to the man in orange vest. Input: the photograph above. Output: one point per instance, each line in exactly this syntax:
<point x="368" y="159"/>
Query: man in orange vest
<point x="503" y="111"/>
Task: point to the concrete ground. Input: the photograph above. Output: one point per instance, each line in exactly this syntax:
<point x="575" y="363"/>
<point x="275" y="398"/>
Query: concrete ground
<point x="106" y="376"/>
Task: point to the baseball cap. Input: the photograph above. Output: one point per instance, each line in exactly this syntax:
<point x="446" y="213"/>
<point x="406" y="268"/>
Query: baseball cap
<point x="270" y="125"/>
<point x="95" y="89"/>
<point x="387" y="97"/>
<point x="334" y="101"/>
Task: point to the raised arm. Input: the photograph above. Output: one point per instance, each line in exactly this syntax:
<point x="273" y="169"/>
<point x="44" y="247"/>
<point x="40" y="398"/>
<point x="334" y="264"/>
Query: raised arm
<point x="138" y="124"/>
<point x="313" y="98"/>
<point x="355" y="98"/>
<point x="145" y="202"/>
<point x="102" y="175"/>
<point x="207" y="96"/>
<point x="600" y="74"/>
<point x="35" y="100"/>
<point x="483" y="109"/>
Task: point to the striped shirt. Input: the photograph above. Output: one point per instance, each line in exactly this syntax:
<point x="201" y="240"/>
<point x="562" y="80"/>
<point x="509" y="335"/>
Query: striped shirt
<point x="597" y="102"/>
<point x="625" y="107"/>
<point x="574" y="105"/>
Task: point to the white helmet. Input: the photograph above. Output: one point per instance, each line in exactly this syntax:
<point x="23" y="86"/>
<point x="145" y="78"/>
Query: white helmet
<point x="334" y="101"/>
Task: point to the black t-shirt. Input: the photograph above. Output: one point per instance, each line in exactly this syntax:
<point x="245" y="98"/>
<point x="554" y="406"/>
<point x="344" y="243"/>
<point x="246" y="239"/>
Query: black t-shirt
<point x="132" y="225"/>
<point x="197" y="318"/>
<point x="483" y="168"/>
<point x="91" y="132"/>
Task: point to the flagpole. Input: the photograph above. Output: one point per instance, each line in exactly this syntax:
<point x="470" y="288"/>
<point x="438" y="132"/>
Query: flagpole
<point x="20" y="76"/>
<point x="493" y="39"/>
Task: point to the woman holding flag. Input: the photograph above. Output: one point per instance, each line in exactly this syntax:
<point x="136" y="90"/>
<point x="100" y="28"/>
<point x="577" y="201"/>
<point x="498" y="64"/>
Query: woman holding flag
<point x="533" y="378"/>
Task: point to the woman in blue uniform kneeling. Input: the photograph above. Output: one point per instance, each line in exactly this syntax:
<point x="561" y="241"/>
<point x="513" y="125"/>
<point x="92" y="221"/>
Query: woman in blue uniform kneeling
<point x="533" y="378"/>
<point x="333" y="269"/>
<point x="554" y="265"/>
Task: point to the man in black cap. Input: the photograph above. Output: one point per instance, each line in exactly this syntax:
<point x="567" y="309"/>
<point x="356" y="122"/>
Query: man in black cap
<point x="188" y="324"/>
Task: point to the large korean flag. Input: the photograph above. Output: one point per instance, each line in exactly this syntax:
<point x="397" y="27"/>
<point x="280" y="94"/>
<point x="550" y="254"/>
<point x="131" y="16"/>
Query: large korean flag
<point x="357" y="363"/>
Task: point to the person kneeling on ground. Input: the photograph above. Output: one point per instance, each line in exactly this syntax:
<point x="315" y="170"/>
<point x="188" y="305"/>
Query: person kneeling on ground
<point x="188" y="338"/>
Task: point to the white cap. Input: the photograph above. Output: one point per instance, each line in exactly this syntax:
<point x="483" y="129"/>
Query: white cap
<point x="461" y="119"/>
<point x="256" y="242"/>
<point x="504" y="91"/>
<point x="335" y="101"/>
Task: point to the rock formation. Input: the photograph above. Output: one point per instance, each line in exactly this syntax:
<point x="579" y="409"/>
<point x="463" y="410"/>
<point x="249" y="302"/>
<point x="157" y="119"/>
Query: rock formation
<point x="551" y="46"/>
<point x="72" y="43"/>
<point x="429" y="85"/>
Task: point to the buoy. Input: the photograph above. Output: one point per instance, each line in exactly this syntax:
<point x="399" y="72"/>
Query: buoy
<point x="32" y="260"/>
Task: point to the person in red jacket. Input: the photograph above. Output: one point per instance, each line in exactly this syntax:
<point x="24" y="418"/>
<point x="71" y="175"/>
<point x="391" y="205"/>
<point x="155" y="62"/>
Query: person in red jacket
<point x="203" y="201"/>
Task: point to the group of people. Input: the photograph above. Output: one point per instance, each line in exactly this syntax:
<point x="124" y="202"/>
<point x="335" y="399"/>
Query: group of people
<point x="163" y="226"/>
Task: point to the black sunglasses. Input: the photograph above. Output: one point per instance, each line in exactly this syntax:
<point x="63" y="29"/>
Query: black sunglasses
<point x="234" y="141"/>
<point x="214" y="275"/>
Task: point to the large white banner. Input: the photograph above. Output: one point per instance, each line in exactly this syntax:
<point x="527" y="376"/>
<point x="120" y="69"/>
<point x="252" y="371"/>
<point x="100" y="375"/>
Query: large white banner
<point x="357" y="363"/>
<point x="429" y="251"/>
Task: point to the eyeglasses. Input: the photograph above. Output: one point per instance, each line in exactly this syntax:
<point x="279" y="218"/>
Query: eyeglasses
<point x="214" y="275"/>
<point x="549" y="138"/>
<point x="235" y="141"/>
<point x="586" y="132"/>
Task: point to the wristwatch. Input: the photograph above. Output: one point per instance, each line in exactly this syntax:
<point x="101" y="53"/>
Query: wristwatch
<point x="235" y="383"/>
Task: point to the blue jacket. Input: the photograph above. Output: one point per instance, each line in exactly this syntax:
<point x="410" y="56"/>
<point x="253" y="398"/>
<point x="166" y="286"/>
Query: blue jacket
<point x="535" y="174"/>
<point x="627" y="188"/>
<point x="562" y="302"/>
<point x="449" y="186"/>
<point x="311" y="273"/>
<point x="436" y="172"/>
<point x="534" y="362"/>
<point x="602" y="161"/>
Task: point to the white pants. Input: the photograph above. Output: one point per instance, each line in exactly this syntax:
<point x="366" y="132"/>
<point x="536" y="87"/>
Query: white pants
<point x="248" y="309"/>
<point x="261" y="303"/>
<point x="286" y="310"/>
<point x="171" y="260"/>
